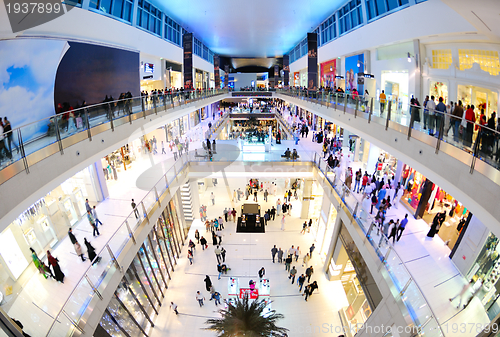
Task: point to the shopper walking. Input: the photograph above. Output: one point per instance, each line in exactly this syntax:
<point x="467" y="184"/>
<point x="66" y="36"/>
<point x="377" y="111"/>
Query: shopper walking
<point x="87" y="206"/>
<point x="293" y="272"/>
<point x="91" y="252"/>
<point x="208" y="283"/>
<point x="197" y="236"/>
<point x="212" y="197"/>
<point x="274" y="250"/>
<point x="223" y="254"/>
<point x="200" y="298"/>
<point x="288" y="262"/>
<point x="309" y="272"/>
<point x="54" y="262"/>
<point x="262" y="272"/>
<point x="217" y="254"/>
<point x="311" y="250"/>
<point x="280" y="255"/>
<point x="310" y="289"/>
<point x="173" y="306"/>
<point x="402" y="227"/>
<point x="283" y="223"/>
<point x="134" y="207"/>
<point x="190" y="256"/>
<point x="203" y="243"/>
<point x="300" y="281"/>
<point x="306" y="259"/>
<point x="96" y="218"/>
<point x="92" y="223"/>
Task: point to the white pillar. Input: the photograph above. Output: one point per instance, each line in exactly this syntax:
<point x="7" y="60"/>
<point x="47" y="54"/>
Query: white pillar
<point x="306" y="198"/>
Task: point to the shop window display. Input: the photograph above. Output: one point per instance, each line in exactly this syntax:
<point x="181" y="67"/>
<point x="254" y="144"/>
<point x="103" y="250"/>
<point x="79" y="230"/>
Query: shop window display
<point x="487" y="59"/>
<point x="432" y="204"/>
<point x="439" y="89"/>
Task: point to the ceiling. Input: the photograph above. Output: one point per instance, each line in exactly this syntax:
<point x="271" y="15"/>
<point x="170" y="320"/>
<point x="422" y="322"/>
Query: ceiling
<point x="482" y="14"/>
<point x="257" y="28"/>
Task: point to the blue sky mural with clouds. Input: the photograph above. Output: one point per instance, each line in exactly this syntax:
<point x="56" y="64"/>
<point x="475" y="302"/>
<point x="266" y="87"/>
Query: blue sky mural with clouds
<point x="27" y="74"/>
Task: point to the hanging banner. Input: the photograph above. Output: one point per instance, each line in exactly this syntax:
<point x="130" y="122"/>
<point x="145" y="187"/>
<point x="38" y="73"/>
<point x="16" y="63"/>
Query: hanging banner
<point x="188" y="61"/>
<point x="226" y="76"/>
<point x="216" y="71"/>
<point x="286" y="71"/>
<point x="276" y="75"/>
<point x="354" y="74"/>
<point x="312" y="61"/>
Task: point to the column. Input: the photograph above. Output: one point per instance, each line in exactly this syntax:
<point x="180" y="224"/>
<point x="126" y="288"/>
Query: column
<point x="345" y="140"/>
<point x="226" y="76"/>
<point x="333" y="243"/>
<point x="418" y="72"/>
<point x="399" y="171"/>
<point x="357" y="147"/>
<point x="100" y="182"/>
<point x="306" y="197"/>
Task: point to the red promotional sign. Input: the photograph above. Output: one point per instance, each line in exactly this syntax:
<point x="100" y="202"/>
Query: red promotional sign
<point x="252" y="294"/>
<point x="379" y="167"/>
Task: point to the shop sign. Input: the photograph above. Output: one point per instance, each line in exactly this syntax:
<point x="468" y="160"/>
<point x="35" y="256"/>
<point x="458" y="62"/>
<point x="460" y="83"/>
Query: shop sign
<point x="252" y="294"/>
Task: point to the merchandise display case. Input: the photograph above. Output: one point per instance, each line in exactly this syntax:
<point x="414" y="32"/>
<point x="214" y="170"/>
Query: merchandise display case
<point x="66" y="206"/>
<point x="46" y="224"/>
<point x="79" y="201"/>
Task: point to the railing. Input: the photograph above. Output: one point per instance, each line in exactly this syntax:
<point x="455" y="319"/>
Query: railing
<point x="409" y="293"/>
<point x="52" y="134"/>
<point x="435" y="127"/>
<point x="95" y="279"/>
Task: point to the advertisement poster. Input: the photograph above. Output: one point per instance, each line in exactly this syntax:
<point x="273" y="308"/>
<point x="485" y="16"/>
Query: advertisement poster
<point x="252" y="294"/>
<point x="327" y="73"/>
<point x="296" y="79"/>
<point x="354" y="65"/>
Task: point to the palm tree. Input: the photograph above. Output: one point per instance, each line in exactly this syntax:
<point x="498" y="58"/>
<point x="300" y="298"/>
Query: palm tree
<point x="246" y="318"/>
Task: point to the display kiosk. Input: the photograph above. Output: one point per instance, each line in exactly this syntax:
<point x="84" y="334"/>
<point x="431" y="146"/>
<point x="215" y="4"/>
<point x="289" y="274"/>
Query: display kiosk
<point x="250" y="220"/>
<point x="262" y="291"/>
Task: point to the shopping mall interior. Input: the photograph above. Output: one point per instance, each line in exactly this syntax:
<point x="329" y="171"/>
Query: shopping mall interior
<point x="156" y="158"/>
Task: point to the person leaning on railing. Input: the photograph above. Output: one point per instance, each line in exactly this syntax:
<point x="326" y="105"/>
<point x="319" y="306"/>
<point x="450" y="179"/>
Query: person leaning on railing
<point x="456" y="119"/>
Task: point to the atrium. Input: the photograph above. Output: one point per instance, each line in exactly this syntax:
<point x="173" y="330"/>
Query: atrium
<point x="334" y="162"/>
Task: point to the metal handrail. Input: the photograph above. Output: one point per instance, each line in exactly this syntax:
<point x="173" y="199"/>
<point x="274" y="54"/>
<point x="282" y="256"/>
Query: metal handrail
<point x="18" y="134"/>
<point x="391" y="246"/>
<point x="152" y="190"/>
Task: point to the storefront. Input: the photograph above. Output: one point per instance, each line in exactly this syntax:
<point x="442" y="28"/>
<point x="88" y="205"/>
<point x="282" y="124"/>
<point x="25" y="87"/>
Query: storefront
<point x="44" y="223"/>
<point x="425" y="200"/>
<point x="137" y="300"/>
<point x="485" y="273"/>
<point x="173" y="75"/>
<point x="381" y="162"/>
<point x="296" y="79"/>
<point x="121" y="160"/>
<point x="395" y="84"/>
<point x="481" y="98"/>
<point x="348" y="266"/>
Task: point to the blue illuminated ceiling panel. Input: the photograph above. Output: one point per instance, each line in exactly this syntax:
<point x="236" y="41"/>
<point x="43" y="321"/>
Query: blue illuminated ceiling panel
<point x="241" y="28"/>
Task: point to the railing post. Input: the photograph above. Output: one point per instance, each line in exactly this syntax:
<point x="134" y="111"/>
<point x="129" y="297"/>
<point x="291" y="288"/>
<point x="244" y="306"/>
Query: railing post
<point x="345" y="102"/>
<point x="157" y="196"/>
<point x="371" y="111"/>
<point x="73" y="322"/>
<point x="336" y="101"/>
<point x="113" y="258"/>
<point x="21" y="150"/>
<point x="58" y="133"/>
<point x="144" y="211"/>
<point x="355" y="211"/>
<point x="130" y="233"/>
<point x="440" y="131"/>
<point x="356" y="109"/>
<point x="412" y="120"/>
<point x="154" y="103"/>
<point x="93" y="287"/>
<point x="388" y="116"/>
<point x="112" y="115"/>
<point x="143" y="103"/>
<point x="87" y="121"/>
